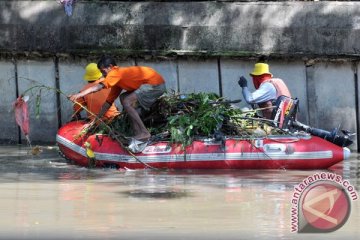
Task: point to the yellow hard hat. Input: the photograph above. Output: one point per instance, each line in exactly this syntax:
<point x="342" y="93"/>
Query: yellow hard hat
<point x="92" y="73"/>
<point x="260" y="69"/>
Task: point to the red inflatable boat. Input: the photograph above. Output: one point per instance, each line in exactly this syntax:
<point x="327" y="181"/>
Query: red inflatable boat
<point x="271" y="152"/>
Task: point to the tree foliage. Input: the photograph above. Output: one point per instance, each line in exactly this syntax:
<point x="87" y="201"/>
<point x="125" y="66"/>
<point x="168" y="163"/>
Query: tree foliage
<point x="182" y="118"/>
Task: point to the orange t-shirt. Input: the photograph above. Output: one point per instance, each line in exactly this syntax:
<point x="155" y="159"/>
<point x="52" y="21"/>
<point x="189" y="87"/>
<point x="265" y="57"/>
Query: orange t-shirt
<point x="94" y="102"/>
<point x="129" y="79"/>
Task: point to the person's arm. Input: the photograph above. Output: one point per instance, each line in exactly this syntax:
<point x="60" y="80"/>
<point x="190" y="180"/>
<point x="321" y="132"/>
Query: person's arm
<point x="77" y="108"/>
<point x="92" y="89"/>
<point x="78" y="105"/>
<point x="114" y="93"/>
<point x="105" y="107"/>
<point x="266" y="92"/>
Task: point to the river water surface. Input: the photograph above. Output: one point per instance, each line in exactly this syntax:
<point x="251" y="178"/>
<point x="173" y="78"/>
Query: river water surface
<point x="44" y="197"/>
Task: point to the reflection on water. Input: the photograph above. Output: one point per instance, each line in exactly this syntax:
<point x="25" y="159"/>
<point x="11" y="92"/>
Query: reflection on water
<point x="156" y="193"/>
<point x="44" y="197"/>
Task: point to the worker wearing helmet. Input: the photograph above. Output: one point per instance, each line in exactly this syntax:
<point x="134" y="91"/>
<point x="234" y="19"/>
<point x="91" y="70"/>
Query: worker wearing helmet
<point x="268" y="89"/>
<point x="137" y="86"/>
<point x="94" y="101"/>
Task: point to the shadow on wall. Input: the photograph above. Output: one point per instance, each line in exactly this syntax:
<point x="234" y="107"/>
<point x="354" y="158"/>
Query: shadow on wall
<point x="226" y="28"/>
<point x="325" y="30"/>
<point x="280" y="29"/>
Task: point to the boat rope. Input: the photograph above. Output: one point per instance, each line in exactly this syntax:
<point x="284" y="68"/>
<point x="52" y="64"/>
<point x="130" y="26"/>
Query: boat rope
<point x="137" y="159"/>
<point x="282" y="141"/>
<point x="116" y="137"/>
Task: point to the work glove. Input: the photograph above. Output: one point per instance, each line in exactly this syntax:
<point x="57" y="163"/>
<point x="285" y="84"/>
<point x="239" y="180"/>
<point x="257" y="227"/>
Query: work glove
<point x="242" y="82"/>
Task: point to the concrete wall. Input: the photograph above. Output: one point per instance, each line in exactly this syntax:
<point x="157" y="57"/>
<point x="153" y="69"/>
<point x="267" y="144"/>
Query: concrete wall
<point x="43" y="124"/>
<point x="196" y="45"/>
<point x="286" y="28"/>
<point x="327" y="91"/>
<point x="8" y="128"/>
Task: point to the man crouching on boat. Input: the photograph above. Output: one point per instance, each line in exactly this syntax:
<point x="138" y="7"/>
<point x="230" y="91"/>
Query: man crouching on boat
<point x="268" y="89"/>
<point x="143" y="86"/>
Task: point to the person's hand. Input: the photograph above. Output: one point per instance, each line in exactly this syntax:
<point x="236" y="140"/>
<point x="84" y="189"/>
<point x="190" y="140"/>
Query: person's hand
<point x="242" y="82"/>
<point x="73" y="97"/>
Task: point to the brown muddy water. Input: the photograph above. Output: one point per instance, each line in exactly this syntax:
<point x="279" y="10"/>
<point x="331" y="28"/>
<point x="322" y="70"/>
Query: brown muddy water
<point x="44" y="197"/>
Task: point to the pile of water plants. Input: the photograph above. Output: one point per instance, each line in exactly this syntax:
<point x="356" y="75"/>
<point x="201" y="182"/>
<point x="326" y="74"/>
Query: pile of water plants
<point x="183" y="118"/>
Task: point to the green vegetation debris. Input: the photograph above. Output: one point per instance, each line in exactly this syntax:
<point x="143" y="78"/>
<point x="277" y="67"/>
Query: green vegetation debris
<point x="181" y="118"/>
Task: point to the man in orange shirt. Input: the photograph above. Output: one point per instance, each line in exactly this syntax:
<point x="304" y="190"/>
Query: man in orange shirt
<point x="143" y="86"/>
<point x="94" y="101"/>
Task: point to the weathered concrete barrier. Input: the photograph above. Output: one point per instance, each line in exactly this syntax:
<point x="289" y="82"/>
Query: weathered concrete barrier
<point x="161" y="28"/>
<point x="197" y="46"/>
<point x="327" y="91"/>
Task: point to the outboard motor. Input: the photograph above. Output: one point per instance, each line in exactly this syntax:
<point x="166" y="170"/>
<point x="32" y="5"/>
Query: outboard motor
<point x="333" y="136"/>
<point x="284" y="113"/>
<point x="284" y="116"/>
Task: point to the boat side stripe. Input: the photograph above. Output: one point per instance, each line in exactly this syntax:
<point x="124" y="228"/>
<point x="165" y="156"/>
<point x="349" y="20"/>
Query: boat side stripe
<point x="198" y="157"/>
<point x="69" y="144"/>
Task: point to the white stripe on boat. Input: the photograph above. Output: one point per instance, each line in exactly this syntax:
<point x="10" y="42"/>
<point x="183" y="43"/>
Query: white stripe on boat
<point x="198" y="157"/>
